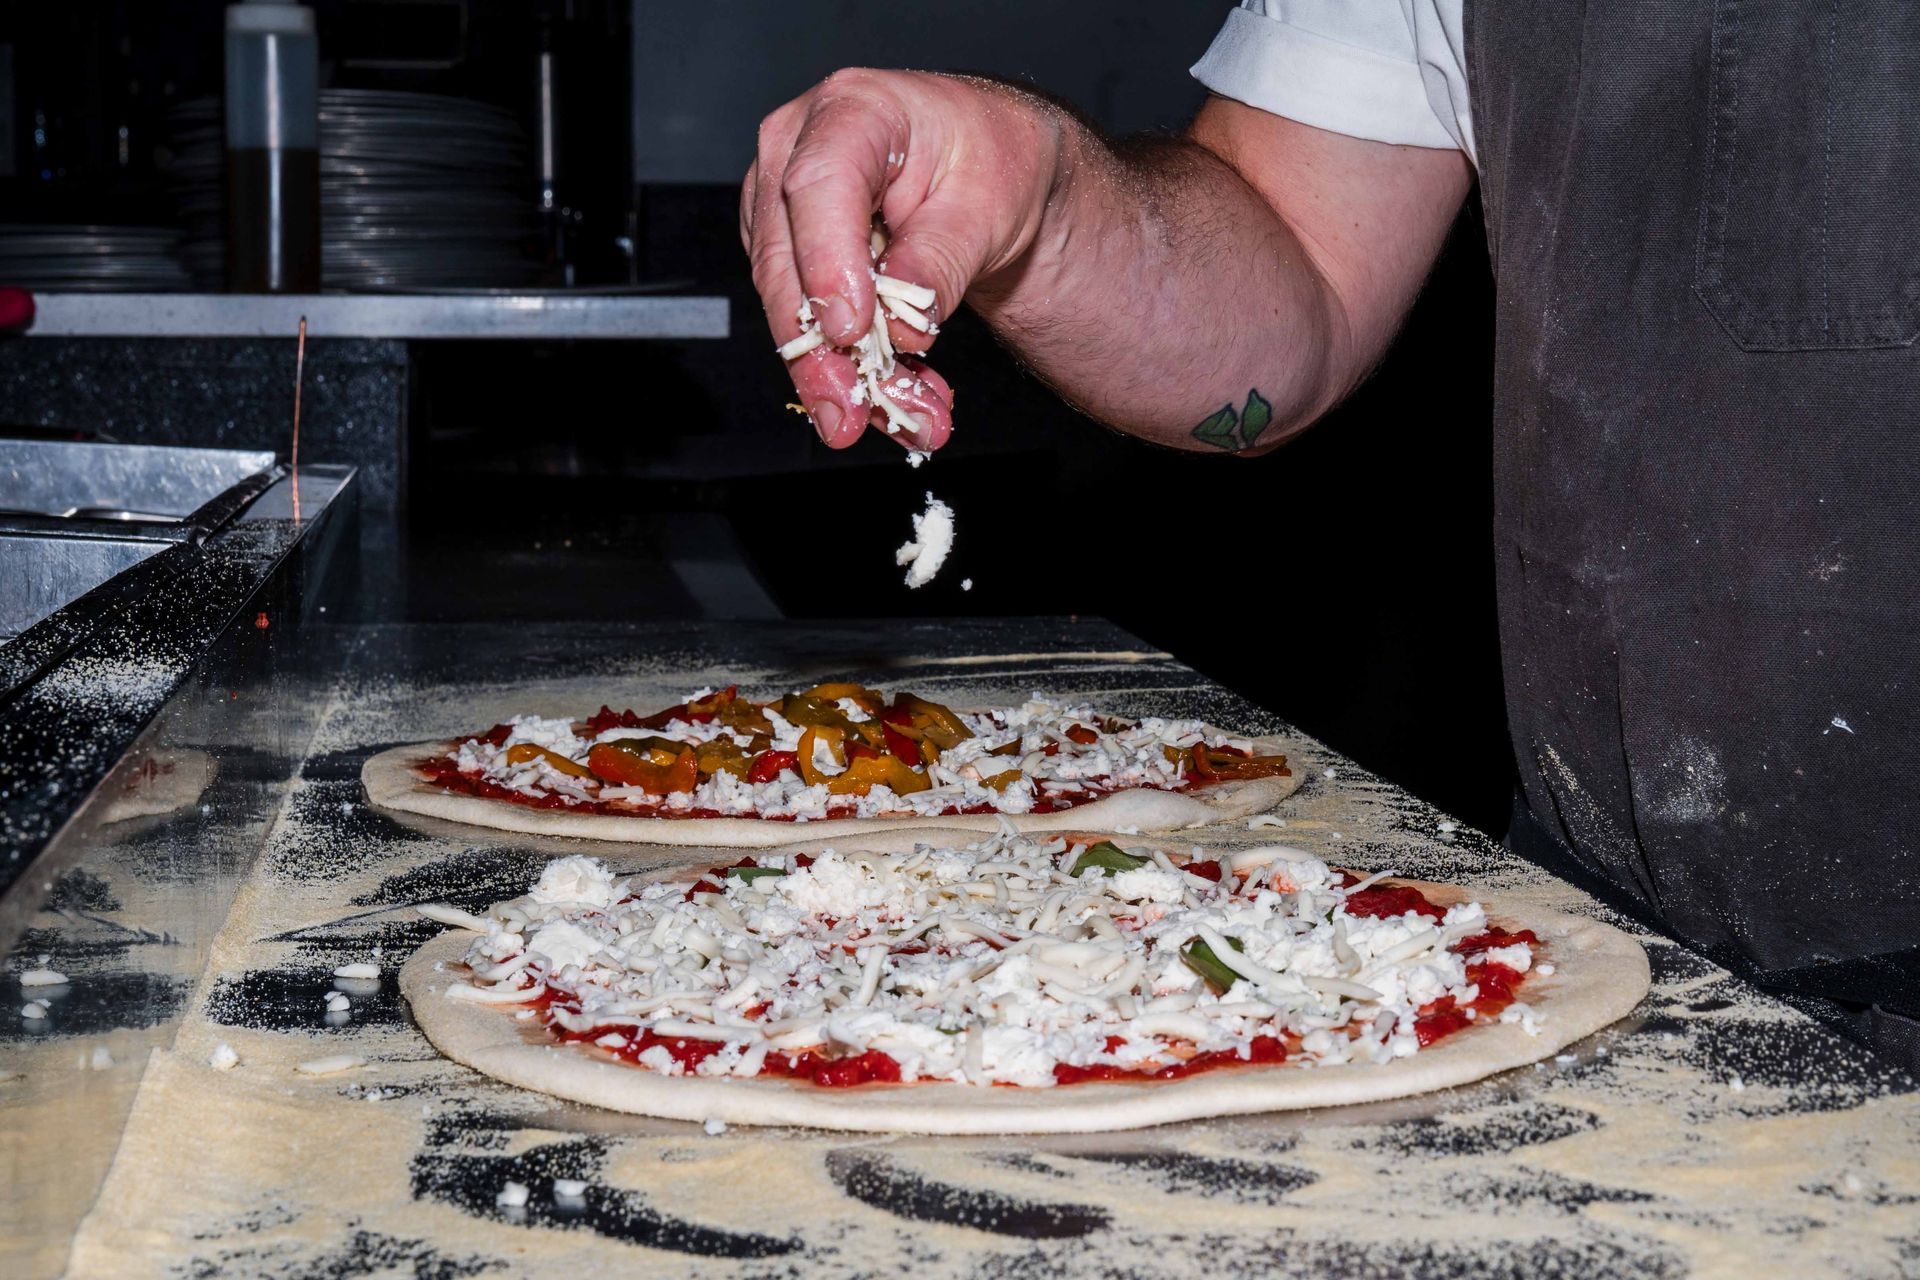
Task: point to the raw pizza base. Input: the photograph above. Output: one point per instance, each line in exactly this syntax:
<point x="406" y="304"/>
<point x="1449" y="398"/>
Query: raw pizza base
<point x="1600" y="975"/>
<point x="392" y="782"/>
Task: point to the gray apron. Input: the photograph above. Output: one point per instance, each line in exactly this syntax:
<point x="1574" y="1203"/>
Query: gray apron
<point x="1704" y="218"/>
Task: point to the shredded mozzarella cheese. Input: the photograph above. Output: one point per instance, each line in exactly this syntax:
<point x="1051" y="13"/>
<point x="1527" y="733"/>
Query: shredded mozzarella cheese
<point x="982" y="964"/>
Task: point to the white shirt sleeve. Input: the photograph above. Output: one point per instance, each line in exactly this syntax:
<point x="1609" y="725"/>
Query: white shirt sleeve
<point x="1384" y="70"/>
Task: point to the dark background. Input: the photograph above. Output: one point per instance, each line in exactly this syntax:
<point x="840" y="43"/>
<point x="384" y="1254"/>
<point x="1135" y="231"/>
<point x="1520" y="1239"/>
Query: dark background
<point x="1344" y="581"/>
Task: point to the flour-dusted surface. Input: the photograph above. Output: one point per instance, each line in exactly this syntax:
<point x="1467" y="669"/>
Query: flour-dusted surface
<point x="1712" y="1132"/>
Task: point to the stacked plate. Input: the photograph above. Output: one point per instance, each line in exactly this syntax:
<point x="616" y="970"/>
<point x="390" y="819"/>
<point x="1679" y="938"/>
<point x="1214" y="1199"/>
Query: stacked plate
<point x="416" y="191"/>
<point x="92" y="259"/>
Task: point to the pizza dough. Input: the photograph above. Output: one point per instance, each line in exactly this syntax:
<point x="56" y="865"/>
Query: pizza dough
<point x="393" y="782"/>
<point x="1600" y="975"/>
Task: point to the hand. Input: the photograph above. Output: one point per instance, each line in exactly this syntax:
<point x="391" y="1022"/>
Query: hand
<point x="960" y="170"/>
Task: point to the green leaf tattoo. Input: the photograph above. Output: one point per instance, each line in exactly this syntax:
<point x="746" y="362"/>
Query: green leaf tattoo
<point x="1217" y="430"/>
<point x="1224" y="429"/>
<point x="1254" y="419"/>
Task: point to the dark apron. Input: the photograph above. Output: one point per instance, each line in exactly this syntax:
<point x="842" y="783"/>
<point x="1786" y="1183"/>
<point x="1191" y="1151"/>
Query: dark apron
<point x="1704" y="219"/>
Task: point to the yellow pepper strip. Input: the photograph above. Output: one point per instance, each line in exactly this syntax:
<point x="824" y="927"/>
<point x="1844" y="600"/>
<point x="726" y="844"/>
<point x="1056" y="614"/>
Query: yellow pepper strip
<point x="722" y="755"/>
<point x="867" y="700"/>
<point x="870" y="771"/>
<point x="525" y="751"/>
<point x="834" y="737"/>
<point x="939" y="723"/>
<point x="1001" y="781"/>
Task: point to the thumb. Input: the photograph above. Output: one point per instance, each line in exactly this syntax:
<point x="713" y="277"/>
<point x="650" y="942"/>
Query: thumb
<point x="936" y="249"/>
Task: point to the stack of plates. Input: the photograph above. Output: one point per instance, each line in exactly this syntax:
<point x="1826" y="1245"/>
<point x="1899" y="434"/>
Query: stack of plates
<point x="92" y="259"/>
<point x="416" y="191"/>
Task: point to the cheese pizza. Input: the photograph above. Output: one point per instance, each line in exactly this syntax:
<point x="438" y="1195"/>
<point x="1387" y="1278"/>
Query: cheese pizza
<point x="1011" y="984"/>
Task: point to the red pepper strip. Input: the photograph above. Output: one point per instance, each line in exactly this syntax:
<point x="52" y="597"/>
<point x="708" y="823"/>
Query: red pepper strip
<point x="698" y="712"/>
<point x="767" y="765"/>
<point x="607" y="718"/>
<point x="703" y="885"/>
<point x="496" y="736"/>
<point x="1081" y="734"/>
<point x="903" y="747"/>
<point x="626" y="769"/>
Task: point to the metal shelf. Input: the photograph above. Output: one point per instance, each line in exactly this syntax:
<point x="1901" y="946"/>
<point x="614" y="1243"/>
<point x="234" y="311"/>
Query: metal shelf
<point x="407" y="316"/>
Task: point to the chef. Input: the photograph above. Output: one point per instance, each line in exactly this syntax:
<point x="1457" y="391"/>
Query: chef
<point x="1707" y="398"/>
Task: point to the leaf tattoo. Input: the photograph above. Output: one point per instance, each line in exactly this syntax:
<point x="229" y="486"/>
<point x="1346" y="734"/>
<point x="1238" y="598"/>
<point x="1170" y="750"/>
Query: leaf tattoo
<point x="1254" y="419"/>
<point x="1217" y="429"/>
<point x="1224" y="429"/>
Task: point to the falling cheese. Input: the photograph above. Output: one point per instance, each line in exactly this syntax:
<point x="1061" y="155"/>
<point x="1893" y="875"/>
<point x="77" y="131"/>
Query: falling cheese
<point x="930" y="545"/>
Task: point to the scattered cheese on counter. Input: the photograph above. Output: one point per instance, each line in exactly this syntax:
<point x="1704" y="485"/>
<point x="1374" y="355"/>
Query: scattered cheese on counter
<point x="33" y="1009"/>
<point x="512" y="1196"/>
<point x="223" y="1057"/>
<point x="332" y="1064"/>
<point x="361" y="970"/>
<point x="714" y="1127"/>
<point x="44" y="977"/>
<point x="443" y="913"/>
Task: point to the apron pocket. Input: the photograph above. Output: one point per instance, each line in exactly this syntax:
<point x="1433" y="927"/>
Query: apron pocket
<point x="1806" y="239"/>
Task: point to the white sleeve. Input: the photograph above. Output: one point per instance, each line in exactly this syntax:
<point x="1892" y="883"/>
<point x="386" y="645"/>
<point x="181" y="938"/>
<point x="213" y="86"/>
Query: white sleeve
<point x="1384" y="70"/>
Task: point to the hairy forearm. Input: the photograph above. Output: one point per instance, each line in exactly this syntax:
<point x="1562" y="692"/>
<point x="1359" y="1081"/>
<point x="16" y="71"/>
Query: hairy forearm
<point x="1164" y="295"/>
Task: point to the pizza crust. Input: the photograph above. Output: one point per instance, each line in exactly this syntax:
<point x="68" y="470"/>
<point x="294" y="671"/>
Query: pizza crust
<point x="1600" y="975"/>
<point x="392" y="782"/>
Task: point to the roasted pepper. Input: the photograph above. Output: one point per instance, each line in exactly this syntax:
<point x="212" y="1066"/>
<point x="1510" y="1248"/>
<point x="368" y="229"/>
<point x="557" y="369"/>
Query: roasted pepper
<point x="630" y="762"/>
<point x="722" y="755"/>
<point x="939" y="724"/>
<point x="866" y="699"/>
<point x="768" y="765"/>
<point x="867" y="772"/>
<point x="1220" y="764"/>
<point x="525" y="751"/>
<point x="804" y="709"/>
<point x="835" y="738"/>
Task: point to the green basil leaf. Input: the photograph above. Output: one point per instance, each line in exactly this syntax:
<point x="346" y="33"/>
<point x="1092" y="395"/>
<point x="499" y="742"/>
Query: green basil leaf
<point x="750" y="874"/>
<point x="1107" y="856"/>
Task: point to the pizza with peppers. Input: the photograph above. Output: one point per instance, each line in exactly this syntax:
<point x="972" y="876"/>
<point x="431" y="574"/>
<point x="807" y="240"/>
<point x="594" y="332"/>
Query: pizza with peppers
<point x="1014" y="984"/>
<point x="723" y="769"/>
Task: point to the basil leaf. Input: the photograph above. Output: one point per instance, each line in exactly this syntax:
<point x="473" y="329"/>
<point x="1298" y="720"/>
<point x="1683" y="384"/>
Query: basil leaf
<point x="1200" y="958"/>
<point x="750" y="874"/>
<point x="1107" y="856"/>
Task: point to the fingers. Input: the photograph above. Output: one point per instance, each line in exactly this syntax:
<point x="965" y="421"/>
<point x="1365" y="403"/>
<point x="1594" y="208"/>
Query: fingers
<point x="844" y="154"/>
<point x="826" y="380"/>
<point x="928" y="401"/>
<point x="823" y="379"/>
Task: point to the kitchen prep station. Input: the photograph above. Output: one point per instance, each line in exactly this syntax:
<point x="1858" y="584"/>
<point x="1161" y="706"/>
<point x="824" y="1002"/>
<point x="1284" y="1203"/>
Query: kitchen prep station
<point x="226" y="1081"/>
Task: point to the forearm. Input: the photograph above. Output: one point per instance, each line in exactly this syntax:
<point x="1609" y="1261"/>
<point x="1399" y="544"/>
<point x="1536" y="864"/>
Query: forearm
<point x="1215" y="293"/>
<point x="1164" y="296"/>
